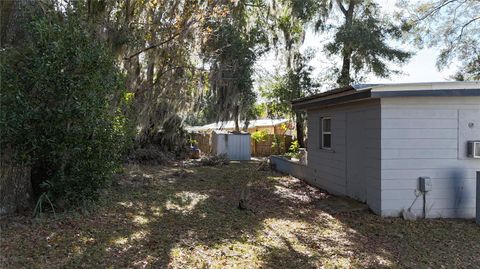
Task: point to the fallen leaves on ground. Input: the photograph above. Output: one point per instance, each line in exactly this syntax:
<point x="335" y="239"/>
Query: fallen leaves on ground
<point x="177" y="217"/>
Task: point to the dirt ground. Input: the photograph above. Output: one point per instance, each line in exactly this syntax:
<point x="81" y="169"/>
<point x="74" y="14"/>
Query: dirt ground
<point x="188" y="217"/>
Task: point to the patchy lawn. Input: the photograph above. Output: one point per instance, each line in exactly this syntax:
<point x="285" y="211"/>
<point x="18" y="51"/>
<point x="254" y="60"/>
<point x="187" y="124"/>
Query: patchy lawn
<point x="159" y="217"/>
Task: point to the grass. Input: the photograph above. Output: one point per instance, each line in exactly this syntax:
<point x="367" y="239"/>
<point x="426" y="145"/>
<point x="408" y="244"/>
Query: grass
<point x="172" y="217"/>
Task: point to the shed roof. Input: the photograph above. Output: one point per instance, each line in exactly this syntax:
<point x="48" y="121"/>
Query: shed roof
<point x="368" y="91"/>
<point x="231" y="124"/>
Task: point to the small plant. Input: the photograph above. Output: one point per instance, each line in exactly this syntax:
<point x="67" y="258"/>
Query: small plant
<point x="259" y="136"/>
<point x="193" y="142"/>
<point x="294" y="150"/>
<point x="43" y="198"/>
<point x="278" y="143"/>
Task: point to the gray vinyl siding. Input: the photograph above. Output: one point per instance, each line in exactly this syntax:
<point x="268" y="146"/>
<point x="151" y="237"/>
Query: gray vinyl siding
<point x="426" y="136"/>
<point x="329" y="167"/>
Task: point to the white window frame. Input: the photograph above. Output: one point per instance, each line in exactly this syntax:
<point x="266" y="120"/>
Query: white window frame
<point x="324" y="132"/>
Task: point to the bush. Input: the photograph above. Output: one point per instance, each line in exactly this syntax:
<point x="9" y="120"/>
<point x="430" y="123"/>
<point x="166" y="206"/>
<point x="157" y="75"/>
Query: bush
<point x="215" y="160"/>
<point x="172" y="138"/>
<point x="259" y="136"/>
<point x="193" y="142"/>
<point x="58" y="110"/>
<point x="294" y="150"/>
<point x="278" y="143"/>
<point x="150" y="156"/>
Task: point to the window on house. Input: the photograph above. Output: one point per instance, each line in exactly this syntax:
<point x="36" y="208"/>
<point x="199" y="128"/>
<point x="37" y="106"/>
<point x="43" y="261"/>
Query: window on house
<point x="326" y="133"/>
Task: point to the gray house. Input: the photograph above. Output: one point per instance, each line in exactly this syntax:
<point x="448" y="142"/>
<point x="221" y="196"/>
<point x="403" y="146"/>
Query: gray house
<point x="393" y="145"/>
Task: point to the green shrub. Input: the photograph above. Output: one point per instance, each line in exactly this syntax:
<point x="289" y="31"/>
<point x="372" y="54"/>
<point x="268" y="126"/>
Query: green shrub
<point x="60" y="110"/>
<point x="150" y="155"/>
<point x="294" y="150"/>
<point x="221" y="159"/>
<point x="259" y="136"/>
<point x="193" y="142"/>
<point x="278" y="143"/>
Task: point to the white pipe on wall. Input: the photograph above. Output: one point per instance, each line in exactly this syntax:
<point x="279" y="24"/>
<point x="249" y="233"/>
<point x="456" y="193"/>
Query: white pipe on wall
<point x="478" y="198"/>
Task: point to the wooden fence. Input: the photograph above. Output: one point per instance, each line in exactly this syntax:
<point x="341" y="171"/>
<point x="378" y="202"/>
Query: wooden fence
<point x="204" y="142"/>
<point x="272" y="145"/>
<point x="259" y="149"/>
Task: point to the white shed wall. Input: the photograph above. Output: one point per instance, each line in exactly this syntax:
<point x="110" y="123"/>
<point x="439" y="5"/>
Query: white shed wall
<point x="426" y="136"/>
<point x="236" y="146"/>
<point x="329" y="167"/>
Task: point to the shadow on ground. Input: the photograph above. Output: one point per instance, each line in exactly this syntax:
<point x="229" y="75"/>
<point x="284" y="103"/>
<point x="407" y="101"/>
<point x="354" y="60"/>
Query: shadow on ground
<point x="174" y="217"/>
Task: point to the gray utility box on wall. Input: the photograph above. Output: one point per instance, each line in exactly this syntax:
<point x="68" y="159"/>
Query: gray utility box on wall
<point x="426" y="184"/>
<point x="473" y="149"/>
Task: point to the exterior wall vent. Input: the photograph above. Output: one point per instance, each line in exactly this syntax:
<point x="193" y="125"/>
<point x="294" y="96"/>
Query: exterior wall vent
<point x="473" y="149"/>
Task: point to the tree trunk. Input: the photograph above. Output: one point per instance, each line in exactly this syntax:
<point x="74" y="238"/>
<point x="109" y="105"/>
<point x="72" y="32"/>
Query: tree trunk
<point x="15" y="179"/>
<point x="300" y="129"/>
<point x="6" y="10"/>
<point x="345" y="79"/>
<point x="236" y="120"/>
<point x="15" y="185"/>
<point x="13" y="19"/>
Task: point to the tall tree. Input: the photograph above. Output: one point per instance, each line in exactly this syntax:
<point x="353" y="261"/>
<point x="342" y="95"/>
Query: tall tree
<point x="157" y="46"/>
<point x="281" y="89"/>
<point x="161" y="45"/>
<point x="289" y="21"/>
<point x="470" y="70"/>
<point x="362" y="40"/>
<point x="56" y="108"/>
<point x="452" y="25"/>
<point x="15" y="184"/>
<point x="233" y="41"/>
<point x="361" y="34"/>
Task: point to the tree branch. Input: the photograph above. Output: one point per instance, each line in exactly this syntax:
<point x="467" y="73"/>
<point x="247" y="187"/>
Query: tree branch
<point x="465" y="25"/>
<point x="152" y="47"/>
<point x="342" y="8"/>
<point x="434" y="10"/>
<point x="161" y="43"/>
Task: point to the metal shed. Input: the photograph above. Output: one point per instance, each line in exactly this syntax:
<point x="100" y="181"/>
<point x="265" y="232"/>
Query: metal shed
<point x="235" y="145"/>
<point x="393" y="145"/>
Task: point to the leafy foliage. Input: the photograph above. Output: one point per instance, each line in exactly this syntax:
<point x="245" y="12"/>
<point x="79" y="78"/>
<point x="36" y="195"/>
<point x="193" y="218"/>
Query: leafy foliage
<point x="289" y="20"/>
<point x="156" y="43"/>
<point x="362" y="42"/>
<point x="259" y="136"/>
<point x="361" y="35"/>
<point x="282" y="89"/>
<point x="231" y="48"/>
<point x="278" y="144"/>
<point x="471" y="70"/>
<point x="293" y="150"/>
<point x="150" y="155"/>
<point x="59" y="110"/>
<point x="453" y="26"/>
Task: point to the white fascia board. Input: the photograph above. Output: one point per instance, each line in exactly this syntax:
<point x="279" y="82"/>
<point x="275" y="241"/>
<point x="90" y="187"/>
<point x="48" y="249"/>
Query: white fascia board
<point x="452" y="85"/>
